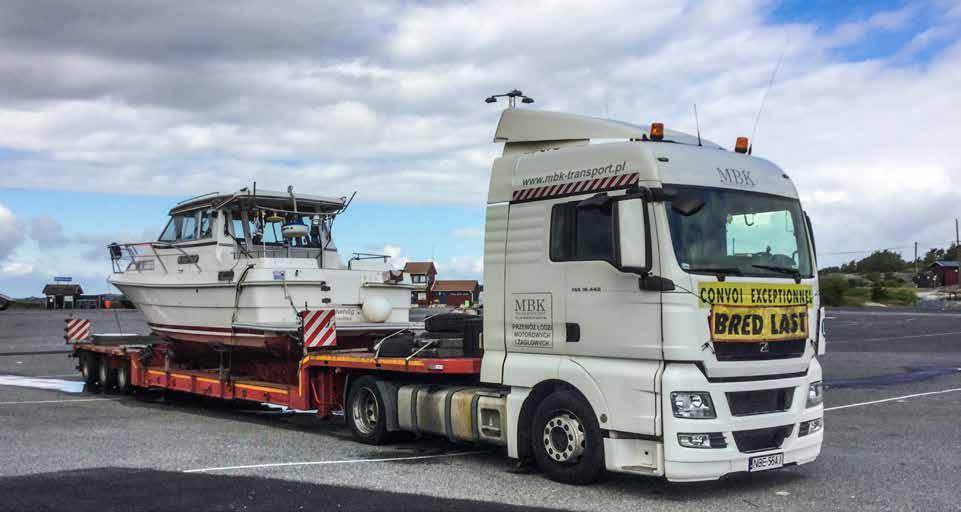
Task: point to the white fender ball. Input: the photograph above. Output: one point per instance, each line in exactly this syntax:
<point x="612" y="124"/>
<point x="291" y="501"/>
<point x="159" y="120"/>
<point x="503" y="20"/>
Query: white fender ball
<point x="377" y="309"/>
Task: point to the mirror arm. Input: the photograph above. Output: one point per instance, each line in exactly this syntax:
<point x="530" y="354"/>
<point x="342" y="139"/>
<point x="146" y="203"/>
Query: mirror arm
<point x="654" y="195"/>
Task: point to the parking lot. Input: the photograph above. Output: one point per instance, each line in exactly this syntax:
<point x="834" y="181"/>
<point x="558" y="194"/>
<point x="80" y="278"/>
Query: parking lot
<point x="892" y="404"/>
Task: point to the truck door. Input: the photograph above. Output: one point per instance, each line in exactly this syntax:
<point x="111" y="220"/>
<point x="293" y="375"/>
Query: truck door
<point x="613" y="328"/>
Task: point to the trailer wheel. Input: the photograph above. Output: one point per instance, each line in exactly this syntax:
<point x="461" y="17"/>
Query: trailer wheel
<point x="108" y="375"/>
<point x="567" y="441"/>
<point x="89" y="368"/>
<point x="123" y="377"/>
<point x="365" y="412"/>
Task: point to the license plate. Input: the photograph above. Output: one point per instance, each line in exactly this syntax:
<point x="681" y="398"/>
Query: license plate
<point x="762" y="462"/>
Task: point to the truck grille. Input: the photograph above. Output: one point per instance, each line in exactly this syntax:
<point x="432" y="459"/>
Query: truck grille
<point x="752" y="350"/>
<point x="761" y="439"/>
<point x="747" y="403"/>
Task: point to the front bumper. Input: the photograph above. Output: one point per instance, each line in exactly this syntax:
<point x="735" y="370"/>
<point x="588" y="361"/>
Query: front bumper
<point x="692" y="464"/>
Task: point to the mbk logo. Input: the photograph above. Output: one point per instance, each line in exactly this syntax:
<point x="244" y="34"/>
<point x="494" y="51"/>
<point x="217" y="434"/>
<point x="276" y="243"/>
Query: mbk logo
<point x="765" y="347"/>
<point x="735" y="177"/>
<point x="529" y="305"/>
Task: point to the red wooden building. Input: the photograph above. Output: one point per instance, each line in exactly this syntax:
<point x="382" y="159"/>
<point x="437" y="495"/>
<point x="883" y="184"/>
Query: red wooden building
<point x="946" y="272"/>
<point x="422" y="274"/>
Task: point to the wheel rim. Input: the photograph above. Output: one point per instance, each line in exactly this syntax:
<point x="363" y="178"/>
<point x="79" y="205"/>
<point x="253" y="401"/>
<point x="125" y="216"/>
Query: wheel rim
<point x="366" y="411"/>
<point x="564" y="438"/>
<point x="122" y="378"/>
<point x="104" y="373"/>
<point x="85" y="369"/>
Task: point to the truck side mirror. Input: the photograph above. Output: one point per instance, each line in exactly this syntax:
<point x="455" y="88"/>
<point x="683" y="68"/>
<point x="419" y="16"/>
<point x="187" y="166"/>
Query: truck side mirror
<point x="633" y="236"/>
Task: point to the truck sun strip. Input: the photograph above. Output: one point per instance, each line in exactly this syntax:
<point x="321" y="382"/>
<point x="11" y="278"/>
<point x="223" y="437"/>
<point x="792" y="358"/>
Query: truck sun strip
<point x="575" y="187"/>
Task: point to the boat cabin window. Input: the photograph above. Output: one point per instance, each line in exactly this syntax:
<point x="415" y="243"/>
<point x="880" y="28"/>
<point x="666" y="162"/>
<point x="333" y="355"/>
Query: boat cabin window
<point x="205" y="222"/>
<point x="183" y="227"/>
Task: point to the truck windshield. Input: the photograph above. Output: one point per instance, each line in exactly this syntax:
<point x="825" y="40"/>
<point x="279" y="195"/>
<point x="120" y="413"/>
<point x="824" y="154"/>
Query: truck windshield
<point x="740" y="233"/>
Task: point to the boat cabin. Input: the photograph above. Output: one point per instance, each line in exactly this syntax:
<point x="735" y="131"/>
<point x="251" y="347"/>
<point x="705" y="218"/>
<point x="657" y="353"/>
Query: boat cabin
<point x="260" y="224"/>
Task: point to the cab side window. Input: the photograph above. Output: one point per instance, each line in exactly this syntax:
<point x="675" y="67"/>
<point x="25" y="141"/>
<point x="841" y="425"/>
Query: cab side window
<point x="581" y="234"/>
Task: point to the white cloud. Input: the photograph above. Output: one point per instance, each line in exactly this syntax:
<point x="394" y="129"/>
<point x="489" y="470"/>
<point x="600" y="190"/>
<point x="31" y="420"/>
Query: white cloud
<point x="468" y="232"/>
<point x="386" y="99"/>
<point x="16" y="268"/>
<point x="461" y="267"/>
<point x="47" y="232"/>
<point x="10" y="232"/>
<point x="396" y="254"/>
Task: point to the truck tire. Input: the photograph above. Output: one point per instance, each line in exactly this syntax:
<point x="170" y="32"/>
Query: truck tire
<point x="566" y="438"/>
<point x="366" y="413"/>
<point x="123" y="377"/>
<point x="89" y="368"/>
<point x="106" y="375"/>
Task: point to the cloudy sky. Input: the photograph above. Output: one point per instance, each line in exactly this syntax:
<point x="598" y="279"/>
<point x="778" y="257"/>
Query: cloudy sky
<point x="112" y="110"/>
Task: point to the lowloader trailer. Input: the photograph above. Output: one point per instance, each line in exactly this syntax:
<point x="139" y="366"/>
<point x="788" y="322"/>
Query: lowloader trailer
<point x="651" y="307"/>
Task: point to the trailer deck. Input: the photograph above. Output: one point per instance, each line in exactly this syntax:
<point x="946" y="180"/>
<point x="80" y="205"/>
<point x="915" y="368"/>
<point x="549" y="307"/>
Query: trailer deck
<point x="320" y="375"/>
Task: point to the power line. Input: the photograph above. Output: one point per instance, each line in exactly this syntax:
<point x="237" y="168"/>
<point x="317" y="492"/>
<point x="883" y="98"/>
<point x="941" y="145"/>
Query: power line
<point x="923" y="245"/>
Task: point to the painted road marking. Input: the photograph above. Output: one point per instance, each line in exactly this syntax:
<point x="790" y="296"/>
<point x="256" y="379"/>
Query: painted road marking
<point x="872" y="402"/>
<point x="327" y="462"/>
<point x="897" y="337"/>
<point x="57" y="401"/>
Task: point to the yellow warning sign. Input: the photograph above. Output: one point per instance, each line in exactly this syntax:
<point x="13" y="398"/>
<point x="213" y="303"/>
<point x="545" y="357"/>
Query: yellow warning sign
<point x="754" y="294"/>
<point x="749" y="323"/>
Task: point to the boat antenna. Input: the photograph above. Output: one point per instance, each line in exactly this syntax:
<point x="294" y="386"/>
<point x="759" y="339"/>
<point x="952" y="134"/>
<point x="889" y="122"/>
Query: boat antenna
<point x="770" y="84"/>
<point x="293" y="199"/>
<point x="346" y="204"/>
<point x="698" y="124"/>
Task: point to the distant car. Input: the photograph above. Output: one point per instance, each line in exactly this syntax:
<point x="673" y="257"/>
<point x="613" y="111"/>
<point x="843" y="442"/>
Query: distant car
<point x="4" y="302"/>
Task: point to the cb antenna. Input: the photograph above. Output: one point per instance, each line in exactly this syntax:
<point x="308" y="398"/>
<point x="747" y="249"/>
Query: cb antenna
<point x="698" y="124"/>
<point x="511" y="98"/>
<point x="770" y="84"/>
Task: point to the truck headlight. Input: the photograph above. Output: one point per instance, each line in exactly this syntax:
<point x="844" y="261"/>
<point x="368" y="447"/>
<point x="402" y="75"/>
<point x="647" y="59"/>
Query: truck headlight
<point x="815" y="394"/>
<point x="692" y="404"/>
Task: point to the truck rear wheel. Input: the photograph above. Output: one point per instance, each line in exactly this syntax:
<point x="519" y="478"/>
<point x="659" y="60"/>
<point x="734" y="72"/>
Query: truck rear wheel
<point x="123" y="377"/>
<point x="567" y="441"/>
<point x="107" y="375"/>
<point x="365" y="412"/>
<point x="89" y="368"/>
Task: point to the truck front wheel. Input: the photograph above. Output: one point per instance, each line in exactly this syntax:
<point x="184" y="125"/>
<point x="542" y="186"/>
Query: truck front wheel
<point x="366" y="414"/>
<point x="567" y="440"/>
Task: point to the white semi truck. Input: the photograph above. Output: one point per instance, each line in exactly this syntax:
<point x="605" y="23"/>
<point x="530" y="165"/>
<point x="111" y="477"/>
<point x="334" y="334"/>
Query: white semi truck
<point x="651" y="307"/>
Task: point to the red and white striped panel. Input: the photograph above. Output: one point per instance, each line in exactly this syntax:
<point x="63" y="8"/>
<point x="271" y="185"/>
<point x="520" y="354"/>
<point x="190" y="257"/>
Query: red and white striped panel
<point x="320" y="328"/>
<point x="76" y="329"/>
<point x="576" y="187"/>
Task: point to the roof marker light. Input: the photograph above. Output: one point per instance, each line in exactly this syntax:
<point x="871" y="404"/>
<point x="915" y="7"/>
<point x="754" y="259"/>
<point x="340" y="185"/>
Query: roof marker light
<point x="740" y="146"/>
<point x="657" y="131"/>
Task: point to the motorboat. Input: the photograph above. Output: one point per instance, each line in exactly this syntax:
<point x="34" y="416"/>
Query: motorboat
<point x="242" y="268"/>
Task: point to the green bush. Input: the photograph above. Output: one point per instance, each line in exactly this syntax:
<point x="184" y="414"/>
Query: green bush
<point x="857" y="296"/>
<point x="832" y="289"/>
<point x="878" y="292"/>
<point x="901" y="296"/>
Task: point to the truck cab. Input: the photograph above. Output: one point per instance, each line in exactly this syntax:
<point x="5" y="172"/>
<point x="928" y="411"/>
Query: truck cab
<point x="658" y="292"/>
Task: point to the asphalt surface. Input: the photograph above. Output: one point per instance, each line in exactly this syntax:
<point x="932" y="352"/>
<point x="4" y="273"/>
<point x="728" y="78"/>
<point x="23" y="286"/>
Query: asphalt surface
<point x="63" y="449"/>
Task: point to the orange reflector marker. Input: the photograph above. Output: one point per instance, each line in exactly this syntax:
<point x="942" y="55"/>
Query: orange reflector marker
<point x="657" y="131"/>
<point x="741" y="145"/>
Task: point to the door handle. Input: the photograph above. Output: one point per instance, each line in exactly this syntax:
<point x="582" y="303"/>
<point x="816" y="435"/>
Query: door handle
<point x="573" y="332"/>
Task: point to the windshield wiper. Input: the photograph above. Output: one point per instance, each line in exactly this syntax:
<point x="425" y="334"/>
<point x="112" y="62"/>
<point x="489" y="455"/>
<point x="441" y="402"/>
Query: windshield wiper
<point x="720" y="272"/>
<point x="793" y="272"/>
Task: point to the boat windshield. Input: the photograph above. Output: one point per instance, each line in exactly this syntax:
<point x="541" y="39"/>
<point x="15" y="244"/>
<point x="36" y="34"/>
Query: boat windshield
<point x="740" y="233"/>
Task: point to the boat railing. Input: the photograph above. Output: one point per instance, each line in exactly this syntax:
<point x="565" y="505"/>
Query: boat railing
<point x="278" y="252"/>
<point x="140" y="256"/>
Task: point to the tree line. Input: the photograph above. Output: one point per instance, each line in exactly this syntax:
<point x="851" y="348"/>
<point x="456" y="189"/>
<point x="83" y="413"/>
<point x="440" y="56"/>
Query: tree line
<point x="886" y="260"/>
